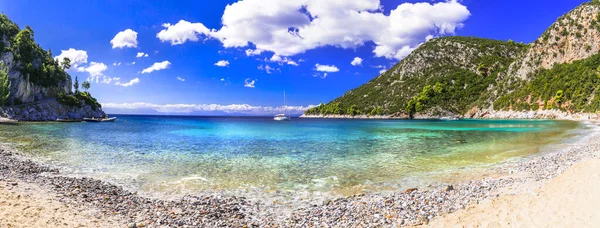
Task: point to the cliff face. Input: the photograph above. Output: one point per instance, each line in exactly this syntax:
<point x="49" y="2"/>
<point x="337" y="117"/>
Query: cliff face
<point x="457" y="76"/>
<point x="573" y="36"/>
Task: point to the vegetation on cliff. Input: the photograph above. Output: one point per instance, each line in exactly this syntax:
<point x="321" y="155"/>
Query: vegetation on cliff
<point x="37" y="64"/>
<point x="573" y="87"/>
<point x="4" y="84"/>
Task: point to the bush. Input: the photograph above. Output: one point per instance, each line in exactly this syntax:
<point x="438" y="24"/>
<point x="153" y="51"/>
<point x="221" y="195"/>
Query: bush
<point x="74" y="100"/>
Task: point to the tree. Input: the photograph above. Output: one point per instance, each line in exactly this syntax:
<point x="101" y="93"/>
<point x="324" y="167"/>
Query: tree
<point x="85" y="85"/>
<point x="66" y="63"/>
<point x="76" y="85"/>
<point x="4" y="84"/>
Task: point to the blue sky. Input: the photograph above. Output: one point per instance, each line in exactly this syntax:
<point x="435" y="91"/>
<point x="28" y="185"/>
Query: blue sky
<point x="306" y="46"/>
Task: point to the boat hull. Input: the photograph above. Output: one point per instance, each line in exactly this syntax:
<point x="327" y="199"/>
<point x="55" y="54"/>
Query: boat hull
<point x="100" y="120"/>
<point x="281" y="118"/>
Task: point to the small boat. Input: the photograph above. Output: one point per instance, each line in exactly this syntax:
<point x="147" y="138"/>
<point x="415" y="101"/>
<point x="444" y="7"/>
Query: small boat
<point x="68" y="120"/>
<point x="282" y="117"/>
<point x="112" y="119"/>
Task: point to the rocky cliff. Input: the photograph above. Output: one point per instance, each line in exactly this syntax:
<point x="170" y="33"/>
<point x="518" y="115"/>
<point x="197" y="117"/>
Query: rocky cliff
<point x="573" y="36"/>
<point x="455" y="76"/>
<point x="24" y="91"/>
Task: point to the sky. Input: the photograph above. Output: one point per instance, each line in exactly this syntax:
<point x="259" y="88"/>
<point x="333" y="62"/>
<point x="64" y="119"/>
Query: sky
<point x="238" y="57"/>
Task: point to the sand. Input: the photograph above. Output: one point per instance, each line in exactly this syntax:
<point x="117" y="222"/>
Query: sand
<point x="569" y="200"/>
<point x="28" y="205"/>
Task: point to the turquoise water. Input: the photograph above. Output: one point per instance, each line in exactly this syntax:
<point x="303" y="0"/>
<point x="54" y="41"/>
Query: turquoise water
<point x="193" y="154"/>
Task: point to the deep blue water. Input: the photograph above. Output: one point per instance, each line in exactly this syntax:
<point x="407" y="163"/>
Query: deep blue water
<point x="192" y="154"/>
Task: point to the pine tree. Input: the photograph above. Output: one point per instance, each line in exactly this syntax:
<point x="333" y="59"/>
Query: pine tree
<point x="76" y="85"/>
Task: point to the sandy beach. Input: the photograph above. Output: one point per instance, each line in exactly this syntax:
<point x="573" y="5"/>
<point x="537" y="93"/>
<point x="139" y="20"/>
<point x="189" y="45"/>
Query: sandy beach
<point x="569" y="200"/>
<point x="29" y="205"/>
<point x="554" y="188"/>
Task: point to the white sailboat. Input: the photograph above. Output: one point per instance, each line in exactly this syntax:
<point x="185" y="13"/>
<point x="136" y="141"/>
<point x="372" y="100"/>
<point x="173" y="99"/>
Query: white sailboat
<point x="282" y="117"/>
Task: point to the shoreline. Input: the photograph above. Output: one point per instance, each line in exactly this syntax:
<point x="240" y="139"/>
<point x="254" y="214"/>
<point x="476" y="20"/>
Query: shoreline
<point x="408" y="207"/>
<point x="478" y="114"/>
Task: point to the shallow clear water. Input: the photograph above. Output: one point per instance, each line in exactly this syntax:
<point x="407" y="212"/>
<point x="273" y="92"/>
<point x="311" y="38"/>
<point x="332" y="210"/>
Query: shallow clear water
<point x="192" y="154"/>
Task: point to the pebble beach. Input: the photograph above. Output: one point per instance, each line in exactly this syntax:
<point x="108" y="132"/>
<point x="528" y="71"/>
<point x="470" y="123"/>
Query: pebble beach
<point x="108" y="205"/>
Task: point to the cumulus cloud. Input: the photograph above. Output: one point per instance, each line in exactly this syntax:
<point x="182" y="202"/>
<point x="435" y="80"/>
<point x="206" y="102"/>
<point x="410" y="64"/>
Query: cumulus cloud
<point x="222" y="63"/>
<point x="249" y="83"/>
<point x="181" y="32"/>
<point x="123" y="39"/>
<point x="181" y="79"/>
<point x="128" y="84"/>
<point x="287" y="28"/>
<point x="189" y="108"/>
<point x="95" y="69"/>
<point x="357" y="61"/>
<point x="77" y="57"/>
<point x="326" y="68"/>
<point x="141" y="54"/>
<point x="156" y="67"/>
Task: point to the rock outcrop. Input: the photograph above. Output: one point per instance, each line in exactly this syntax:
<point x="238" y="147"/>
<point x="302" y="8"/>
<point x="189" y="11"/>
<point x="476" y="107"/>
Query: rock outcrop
<point x="49" y="110"/>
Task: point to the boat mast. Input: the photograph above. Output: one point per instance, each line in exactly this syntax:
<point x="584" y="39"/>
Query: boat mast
<point x="284" y="105"/>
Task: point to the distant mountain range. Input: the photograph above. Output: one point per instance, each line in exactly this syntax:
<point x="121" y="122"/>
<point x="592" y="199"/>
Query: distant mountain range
<point x="460" y="76"/>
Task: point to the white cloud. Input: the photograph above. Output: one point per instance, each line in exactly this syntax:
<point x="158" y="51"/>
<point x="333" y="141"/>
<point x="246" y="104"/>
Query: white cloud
<point x="281" y="60"/>
<point x="181" y="79"/>
<point x="357" y="61"/>
<point x="222" y="63"/>
<point x="156" y="67"/>
<point x="382" y="71"/>
<point x="267" y="68"/>
<point x="181" y="32"/>
<point x="141" y="54"/>
<point x="95" y="69"/>
<point x="285" y="28"/>
<point x="126" y="38"/>
<point x="109" y="80"/>
<point x="77" y="57"/>
<point x="249" y="83"/>
<point x="133" y="63"/>
<point x="222" y="79"/>
<point x="326" y="68"/>
<point x="189" y="108"/>
<point x="128" y="84"/>
<point x="250" y="52"/>
<point x="117" y="64"/>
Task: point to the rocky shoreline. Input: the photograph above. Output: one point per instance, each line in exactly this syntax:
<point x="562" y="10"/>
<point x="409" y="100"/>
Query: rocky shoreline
<point x="408" y="207"/>
<point x="475" y="114"/>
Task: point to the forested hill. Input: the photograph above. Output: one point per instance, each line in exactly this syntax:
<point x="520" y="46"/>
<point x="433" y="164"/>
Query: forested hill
<point x="456" y="75"/>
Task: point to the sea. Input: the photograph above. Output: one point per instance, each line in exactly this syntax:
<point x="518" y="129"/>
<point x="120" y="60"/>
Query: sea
<point x="193" y="155"/>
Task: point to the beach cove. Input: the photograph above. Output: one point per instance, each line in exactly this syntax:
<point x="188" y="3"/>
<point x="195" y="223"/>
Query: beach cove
<point x="413" y="204"/>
